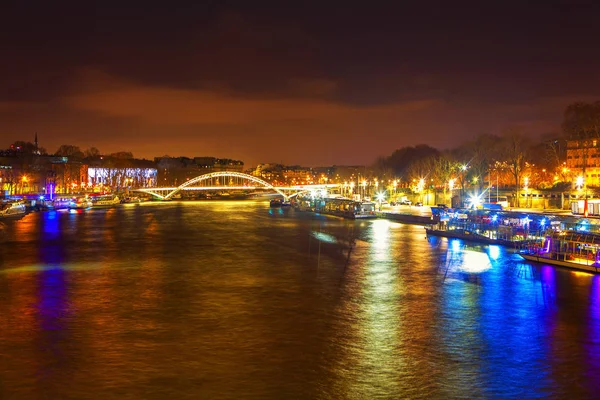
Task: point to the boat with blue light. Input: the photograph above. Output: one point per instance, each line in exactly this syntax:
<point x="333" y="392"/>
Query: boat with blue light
<point x="61" y="202"/>
<point x="571" y="249"/>
<point x="489" y="226"/>
<point x="80" y="203"/>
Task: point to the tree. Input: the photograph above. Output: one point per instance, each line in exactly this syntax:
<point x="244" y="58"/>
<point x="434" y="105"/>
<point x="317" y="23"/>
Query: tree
<point x="443" y="169"/>
<point x="476" y="159"/>
<point x="402" y="159"/>
<point x="28" y="148"/>
<point x="382" y="169"/>
<point x="514" y="152"/>
<point x="68" y="150"/>
<point x="92" y="152"/>
<point x="122" y="155"/>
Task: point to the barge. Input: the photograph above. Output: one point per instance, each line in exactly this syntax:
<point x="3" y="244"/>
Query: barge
<point x="570" y="249"/>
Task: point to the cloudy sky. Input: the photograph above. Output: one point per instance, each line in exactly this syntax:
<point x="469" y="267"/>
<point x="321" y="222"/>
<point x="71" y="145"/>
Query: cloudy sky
<point x="297" y="82"/>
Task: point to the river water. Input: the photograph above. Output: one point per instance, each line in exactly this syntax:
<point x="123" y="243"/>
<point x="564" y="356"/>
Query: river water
<point x="227" y="300"/>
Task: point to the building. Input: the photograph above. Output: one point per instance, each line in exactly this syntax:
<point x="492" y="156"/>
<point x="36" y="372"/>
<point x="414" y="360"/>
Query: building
<point x="108" y="173"/>
<point x="174" y="171"/>
<point x="583" y="160"/>
<point x="33" y="173"/>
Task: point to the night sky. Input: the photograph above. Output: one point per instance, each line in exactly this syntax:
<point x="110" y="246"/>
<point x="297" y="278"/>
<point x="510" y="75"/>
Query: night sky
<point x="294" y="82"/>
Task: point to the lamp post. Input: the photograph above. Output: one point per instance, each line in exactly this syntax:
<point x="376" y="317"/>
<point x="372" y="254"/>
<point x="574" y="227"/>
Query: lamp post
<point x="23" y="183"/>
<point x="420" y="187"/>
<point x="580" y="182"/>
<point x="526" y="188"/>
<point x="463" y="178"/>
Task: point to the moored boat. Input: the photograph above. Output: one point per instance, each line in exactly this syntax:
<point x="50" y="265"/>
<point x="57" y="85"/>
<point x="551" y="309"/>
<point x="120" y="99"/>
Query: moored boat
<point x="14" y="209"/>
<point x="571" y="249"/>
<point x="365" y="210"/>
<point x="61" y="202"/>
<point x="80" y="203"/>
<point x="105" y="200"/>
<point x="275" y="203"/>
<point x="131" y="199"/>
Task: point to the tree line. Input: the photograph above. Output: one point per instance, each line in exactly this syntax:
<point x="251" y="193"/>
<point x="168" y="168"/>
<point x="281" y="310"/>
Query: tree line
<point x="512" y="155"/>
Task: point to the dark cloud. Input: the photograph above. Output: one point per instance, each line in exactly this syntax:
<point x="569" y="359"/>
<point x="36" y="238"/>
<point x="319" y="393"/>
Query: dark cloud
<point x="309" y="73"/>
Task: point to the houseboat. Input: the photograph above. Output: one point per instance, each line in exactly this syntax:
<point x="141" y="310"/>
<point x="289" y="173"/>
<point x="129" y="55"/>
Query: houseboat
<point x="105" y="200"/>
<point x="490" y="226"/>
<point x="571" y="249"/>
<point x="61" y="202"/>
<point x="15" y="209"/>
<point x="80" y="203"/>
<point x="346" y="208"/>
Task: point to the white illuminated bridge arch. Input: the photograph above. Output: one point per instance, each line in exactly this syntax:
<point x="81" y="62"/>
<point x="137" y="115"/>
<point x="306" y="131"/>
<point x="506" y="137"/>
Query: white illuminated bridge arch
<point x="200" y="183"/>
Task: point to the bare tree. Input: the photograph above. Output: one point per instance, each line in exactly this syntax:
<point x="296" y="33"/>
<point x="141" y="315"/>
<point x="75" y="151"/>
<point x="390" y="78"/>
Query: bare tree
<point x="443" y="169"/>
<point x="68" y="150"/>
<point x="515" y="147"/>
<point x="92" y="152"/>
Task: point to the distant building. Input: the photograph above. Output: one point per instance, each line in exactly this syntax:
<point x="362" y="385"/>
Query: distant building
<point x="174" y="171"/>
<point x="583" y="159"/>
<point x="348" y="173"/>
<point x="118" y="174"/>
<point x="32" y="173"/>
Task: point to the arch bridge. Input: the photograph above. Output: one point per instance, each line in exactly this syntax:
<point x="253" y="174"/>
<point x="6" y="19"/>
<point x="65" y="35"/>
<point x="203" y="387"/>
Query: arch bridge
<point x="227" y="180"/>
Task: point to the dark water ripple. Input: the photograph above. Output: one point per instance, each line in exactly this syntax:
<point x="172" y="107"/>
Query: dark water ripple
<point x="229" y="300"/>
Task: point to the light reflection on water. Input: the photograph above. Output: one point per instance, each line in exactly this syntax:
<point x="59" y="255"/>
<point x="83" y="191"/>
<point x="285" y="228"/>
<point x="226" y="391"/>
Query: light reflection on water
<point x="235" y="299"/>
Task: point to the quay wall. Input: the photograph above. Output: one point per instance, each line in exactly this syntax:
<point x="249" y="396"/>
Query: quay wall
<point x="408" y="218"/>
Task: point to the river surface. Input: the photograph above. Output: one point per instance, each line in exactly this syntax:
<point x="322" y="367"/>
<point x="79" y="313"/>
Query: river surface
<point x="229" y="300"/>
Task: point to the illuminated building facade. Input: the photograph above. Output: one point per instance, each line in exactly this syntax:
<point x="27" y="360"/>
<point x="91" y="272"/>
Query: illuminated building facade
<point x="118" y="174"/>
<point x="583" y="160"/>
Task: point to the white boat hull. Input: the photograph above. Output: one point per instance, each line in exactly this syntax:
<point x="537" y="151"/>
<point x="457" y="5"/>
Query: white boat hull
<point x="561" y="263"/>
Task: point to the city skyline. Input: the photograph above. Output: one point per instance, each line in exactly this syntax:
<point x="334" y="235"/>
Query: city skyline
<point x="301" y="85"/>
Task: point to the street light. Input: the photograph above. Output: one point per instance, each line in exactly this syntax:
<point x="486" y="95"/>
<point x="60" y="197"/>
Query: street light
<point x="380" y="198"/>
<point x="23" y="183"/>
<point x="580" y="182"/>
<point x="451" y="187"/>
<point x="526" y="188"/>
